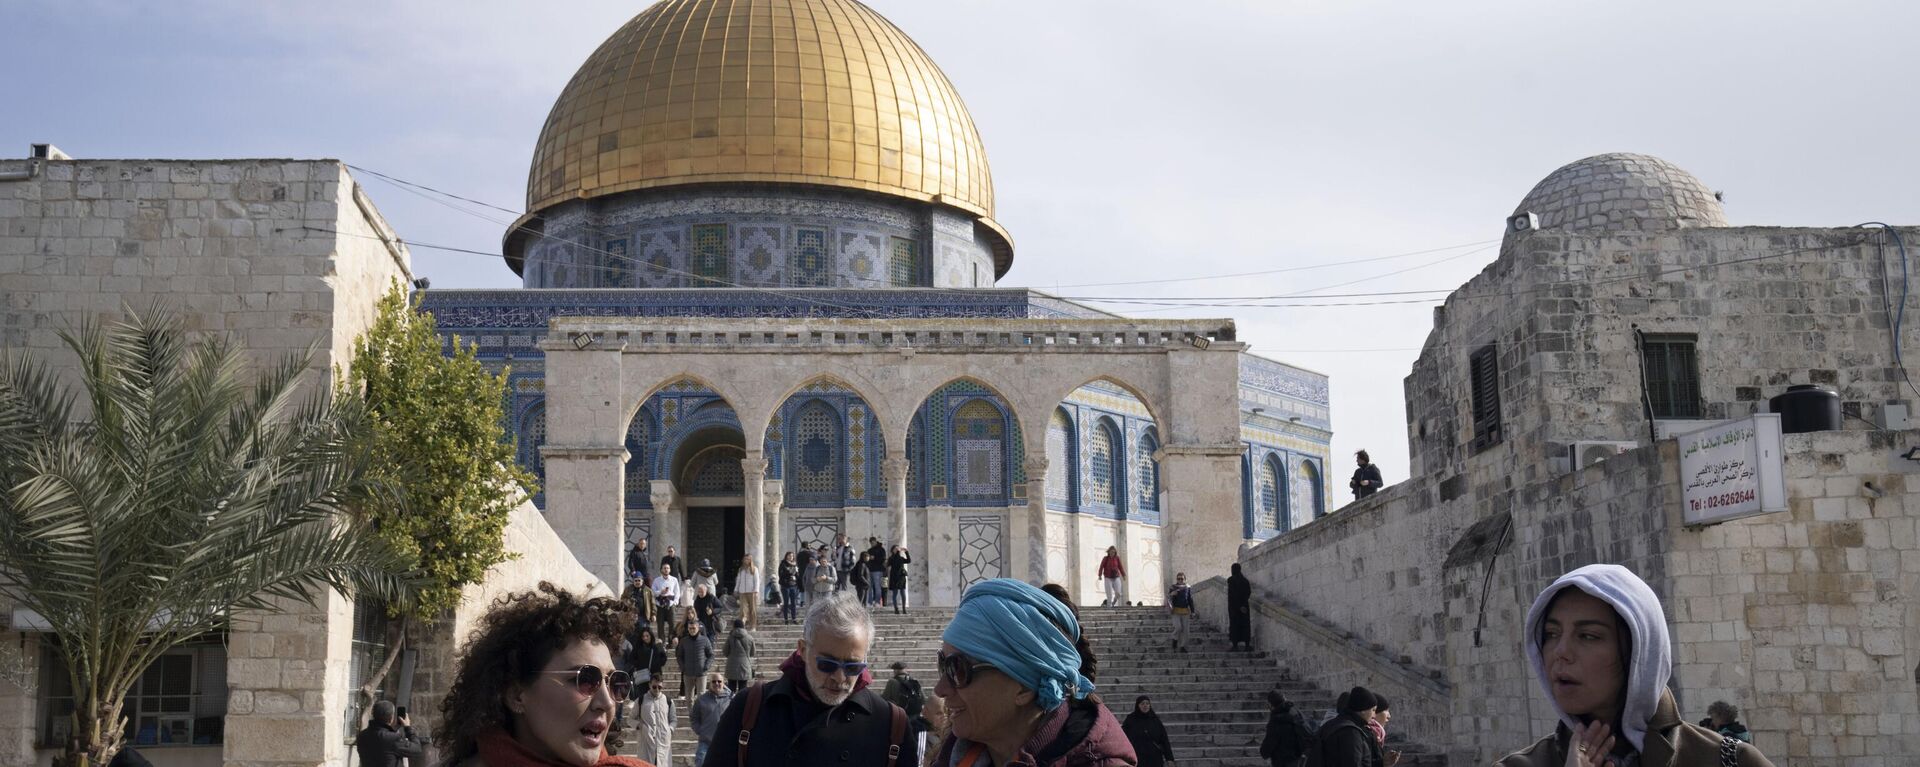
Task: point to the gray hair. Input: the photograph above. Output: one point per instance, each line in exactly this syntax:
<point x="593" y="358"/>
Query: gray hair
<point x="383" y="711"/>
<point x="838" y="614"/>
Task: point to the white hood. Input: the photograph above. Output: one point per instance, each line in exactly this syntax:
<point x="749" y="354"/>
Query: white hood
<point x="1639" y="609"/>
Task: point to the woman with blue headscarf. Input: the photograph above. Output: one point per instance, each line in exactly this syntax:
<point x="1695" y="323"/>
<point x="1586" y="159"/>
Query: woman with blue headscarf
<point x="1010" y="674"/>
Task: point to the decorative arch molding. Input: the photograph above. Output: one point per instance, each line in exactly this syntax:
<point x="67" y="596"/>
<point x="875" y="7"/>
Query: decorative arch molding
<point x="970" y="448"/>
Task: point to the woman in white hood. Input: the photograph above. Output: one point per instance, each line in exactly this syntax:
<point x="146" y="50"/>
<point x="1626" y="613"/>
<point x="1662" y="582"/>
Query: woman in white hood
<point x="1597" y="639"/>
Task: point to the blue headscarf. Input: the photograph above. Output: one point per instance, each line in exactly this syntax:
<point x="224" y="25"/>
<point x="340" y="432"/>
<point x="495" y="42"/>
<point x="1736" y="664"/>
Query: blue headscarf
<point x="1024" y="633"/>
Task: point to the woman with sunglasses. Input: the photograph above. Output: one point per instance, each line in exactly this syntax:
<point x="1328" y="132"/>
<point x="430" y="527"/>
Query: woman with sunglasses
<point x="1010" y="673"/>
<point x="536" y="686"/>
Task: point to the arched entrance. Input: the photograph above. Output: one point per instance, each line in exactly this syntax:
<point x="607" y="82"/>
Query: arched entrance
<point x="712" y="489"/>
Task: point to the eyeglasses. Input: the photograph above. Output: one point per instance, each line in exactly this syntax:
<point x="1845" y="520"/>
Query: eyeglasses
<point x="829" y="666"/>
<point x="587" y="681"/>
<point x="958" y="669"/>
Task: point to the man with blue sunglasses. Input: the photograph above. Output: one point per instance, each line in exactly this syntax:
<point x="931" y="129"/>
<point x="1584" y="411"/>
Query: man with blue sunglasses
<point x="820" y="710"/>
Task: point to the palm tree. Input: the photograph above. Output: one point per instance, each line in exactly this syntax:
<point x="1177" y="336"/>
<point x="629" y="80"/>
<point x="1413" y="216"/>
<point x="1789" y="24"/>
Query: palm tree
<point x="176" y="493"/>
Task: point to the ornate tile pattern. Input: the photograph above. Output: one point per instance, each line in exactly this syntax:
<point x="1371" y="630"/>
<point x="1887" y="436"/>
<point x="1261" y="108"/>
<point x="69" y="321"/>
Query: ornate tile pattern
<point x="905" y="263"/>
<point x="1102" y="450"/>
<point x="639" y="525"/>
<point x="857" y="429"/>
<point x="812" y="265"/>
<point x="762" y="254"/>
<point x="942" y="458"/>
<point x="639" y="470"/>
<point x="814" y="532"/>
<point x="711" y="256"/>
<point x="815" y="468"/>
<point x="982" y="548"/>
<point x="1271" y="493"/>
<point x="1060" y="460"/>
<point x="716" y="472"/>
<point x="1146" y="471"/>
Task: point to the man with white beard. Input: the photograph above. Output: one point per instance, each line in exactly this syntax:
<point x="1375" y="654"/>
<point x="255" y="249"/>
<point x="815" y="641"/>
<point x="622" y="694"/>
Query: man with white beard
<point x="820" y="710"/>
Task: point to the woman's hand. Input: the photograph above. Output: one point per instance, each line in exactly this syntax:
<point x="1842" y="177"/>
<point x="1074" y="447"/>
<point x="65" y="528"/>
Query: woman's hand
<point x="1591" y="744"/>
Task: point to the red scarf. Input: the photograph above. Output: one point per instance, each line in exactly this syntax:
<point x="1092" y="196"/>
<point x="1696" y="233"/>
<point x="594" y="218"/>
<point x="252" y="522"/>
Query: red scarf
<point x="794" y="668"/>
<point x="499" y="749"/>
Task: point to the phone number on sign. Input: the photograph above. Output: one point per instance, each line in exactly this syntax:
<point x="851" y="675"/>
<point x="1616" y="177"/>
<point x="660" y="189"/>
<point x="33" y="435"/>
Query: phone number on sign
<point x="1725" y="499"/>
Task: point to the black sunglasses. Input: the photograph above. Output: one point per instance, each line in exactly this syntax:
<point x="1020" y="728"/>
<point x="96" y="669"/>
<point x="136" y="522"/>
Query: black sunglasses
<point x="587" y="681"/>
<point x="958" y="669"/>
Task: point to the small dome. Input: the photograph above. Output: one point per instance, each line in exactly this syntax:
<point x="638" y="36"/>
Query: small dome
<point x="1622" y="192"/>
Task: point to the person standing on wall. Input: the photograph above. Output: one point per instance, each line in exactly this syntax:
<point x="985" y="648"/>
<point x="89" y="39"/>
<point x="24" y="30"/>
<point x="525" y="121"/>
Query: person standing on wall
<point x="1112" y="572"/>
<point x="1180" y="606"/>
<point x="1366" y="478"/>
<point x="1239" y="609"/>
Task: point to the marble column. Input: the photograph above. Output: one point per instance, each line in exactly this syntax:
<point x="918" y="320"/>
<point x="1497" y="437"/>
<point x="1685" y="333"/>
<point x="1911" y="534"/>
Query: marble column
<point x="773" y="495"/>
<point x="669" y="522"/>
<point x="1036" y="520"/>
<point x="895" y="471"/>
<point x="753" y="469"/>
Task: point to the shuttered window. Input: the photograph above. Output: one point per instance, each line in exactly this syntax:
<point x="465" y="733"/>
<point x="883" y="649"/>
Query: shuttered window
<point x="1484" y="367"/>
<point x="1672" y="376"/>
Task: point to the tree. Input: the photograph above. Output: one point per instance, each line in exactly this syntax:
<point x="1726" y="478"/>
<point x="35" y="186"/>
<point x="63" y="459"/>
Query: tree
<point x="439" y="436"/>
<point x="182" y="492"/>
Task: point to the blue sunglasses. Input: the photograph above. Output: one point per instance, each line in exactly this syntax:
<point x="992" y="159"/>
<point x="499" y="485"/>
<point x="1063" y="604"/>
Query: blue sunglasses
<point x="829" y="666"/>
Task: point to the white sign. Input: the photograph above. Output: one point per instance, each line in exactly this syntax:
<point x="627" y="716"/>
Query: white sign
<point x="1732" y="469"/>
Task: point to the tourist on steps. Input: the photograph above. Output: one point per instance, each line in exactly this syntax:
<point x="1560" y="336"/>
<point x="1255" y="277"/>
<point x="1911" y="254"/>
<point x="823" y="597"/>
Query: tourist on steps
<point x="648" y="659"/>
<point x="1378" y="726"/>
<point x="1147" y="734"/>
<point x="877" y="575"/>
<point x="1180" y="607"/>
<point x="858" y="577"/>
<point x="671" y="560"/>
<point x="666" y="594"/>
<point x="746" y="590"/>
<point x="935" y="723"/>
<point x="825" y="575"/>
<point x="1287" y="735"/>
<point x="1345" y="741"/>
<point x="843" y="557"/>
<point x="1009" y="671"/>
<point x="705" y="716"/>
<point x="706" y="607"/>
<point x="1112" y="572"/>
<point x="1239" y="610"/>
<point x="535" y="683"/>
<point x="789" y="588"/>
<point x="695" y="654"/>
<point x="704" y="576"/>
<point x="1089" y="665"/>
<point x="638" y="560"/>
<point x="640" y="596"/>
<point x="820" y="710"/>
<point x="656" y="725"/>
<point x="740" y="649"/>
<point x="1597" y="640"/>
<point x="897" y="577"/>
<point x="1366" y="477"/>
<point x="904" y="691"/>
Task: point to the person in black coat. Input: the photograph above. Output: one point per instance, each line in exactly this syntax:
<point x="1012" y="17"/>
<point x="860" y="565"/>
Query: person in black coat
<point x="897" y="578"/>
<point x="1366" y="479"/>
<point x="647" y="658"/>
<point x="1345" y="741"/>
<point x="877" y="577"/>
<point x="388" y="738"/>
<point x="638" y="561"/>
<point x="859" y="576"/>
<point x="1147" y="734"/>
<point x="1239" y="609"/>
<point x="1287" y="734"/>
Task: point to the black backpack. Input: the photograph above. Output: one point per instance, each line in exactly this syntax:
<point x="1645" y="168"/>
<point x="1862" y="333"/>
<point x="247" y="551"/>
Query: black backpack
<point x="913" y="699"/>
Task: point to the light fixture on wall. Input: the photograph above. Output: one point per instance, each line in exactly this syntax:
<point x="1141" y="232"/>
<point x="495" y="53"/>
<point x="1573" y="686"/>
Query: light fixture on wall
<point x="1199" y="341"/>
<point x="1524" y="221"/>
<point x="582" y="340"/>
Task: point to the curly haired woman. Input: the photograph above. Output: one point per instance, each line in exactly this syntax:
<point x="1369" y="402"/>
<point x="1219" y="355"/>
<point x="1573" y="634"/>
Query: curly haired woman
<point x="536" y="686"/>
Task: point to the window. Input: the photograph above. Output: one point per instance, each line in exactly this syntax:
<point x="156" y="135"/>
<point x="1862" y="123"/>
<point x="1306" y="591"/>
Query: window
<point x="810" y="258"/>
<point x="1270" y="493"/>
<point x="639" y="474"/>
<point x="1060" y="459"/>
<point x="905" y="262"/>
<point x="1102" y="445"/>
<point x="814" y="457"/>
<point x="979" y="452"/>
<point x="1147" y="471"/>
<point x="1484" y="370"/>
<point x="180" y="700"/>
<point x="1672" y="375"/>
<point x="710" y="256"/>
<point x="618" y="271"/>
<point x="1306" y="491"/>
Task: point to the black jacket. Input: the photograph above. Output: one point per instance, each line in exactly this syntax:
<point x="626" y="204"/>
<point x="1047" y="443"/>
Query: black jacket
<point x="637" y="563"/>
<point x="797" y="730"/>
<point x="1287" y="739"/>
<point x="789" y="574"/>
<point x="1371" y="472"/>
<point x="877" y="558"/>
<point x="897" y="570"/>
<point x="858" y="576"/>
<point x="1149" y="738"/>
<point x="380" y="745"/>
<point x="651" y="657"/>
<point x="674" y="562"/>
<point x="1346" y="742"/>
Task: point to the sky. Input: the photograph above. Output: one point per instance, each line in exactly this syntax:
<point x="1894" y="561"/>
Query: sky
<point x="1129" y="141"/>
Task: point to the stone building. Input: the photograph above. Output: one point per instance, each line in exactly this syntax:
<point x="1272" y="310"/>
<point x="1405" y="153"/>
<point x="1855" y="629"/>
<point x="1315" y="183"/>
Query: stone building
<point x="1624" y="309"/>
<point x="280" y="256"/>
<point x="767" y="196"/>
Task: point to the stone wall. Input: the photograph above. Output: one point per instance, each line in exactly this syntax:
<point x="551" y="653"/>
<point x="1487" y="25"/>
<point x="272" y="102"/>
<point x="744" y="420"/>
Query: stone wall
<point x="283" y="257"/>
<point x="1805" y="618"/>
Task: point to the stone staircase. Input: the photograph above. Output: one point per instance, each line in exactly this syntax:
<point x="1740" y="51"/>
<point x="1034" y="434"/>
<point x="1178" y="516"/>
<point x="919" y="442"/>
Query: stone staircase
<point x="1212" y="700"/>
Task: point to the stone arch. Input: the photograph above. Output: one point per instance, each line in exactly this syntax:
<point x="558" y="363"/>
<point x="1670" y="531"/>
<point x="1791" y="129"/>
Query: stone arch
<point x="1275" y="512"/>
<point x="1007" y="403"/>
<point x="1312" y="489"/>
<point x="855" y="445"/>
<point x="642" y="430"/>
<point x="676" y="428"/>
<point x="1156" y="411"/>
<point x="632" y="407"/>
<point x="864" y="389"/>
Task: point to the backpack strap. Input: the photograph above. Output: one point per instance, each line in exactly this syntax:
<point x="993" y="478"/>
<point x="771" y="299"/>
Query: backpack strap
<point x="894" y="733"/>
<point x="751" y="715"/>
<point x="1729" y="752"/>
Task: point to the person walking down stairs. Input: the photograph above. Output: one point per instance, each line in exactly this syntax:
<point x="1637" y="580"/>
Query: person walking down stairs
<point x="1147" y="734"/>
<point x="656" y="725"/>
<point x="740" y="647"/>
<point x="1287" y="734"/>
<point x="705" y="717"/>
<point x="746" y="591"/>
<point x="1112" y="572"/>
<point x="1180" y="607"/>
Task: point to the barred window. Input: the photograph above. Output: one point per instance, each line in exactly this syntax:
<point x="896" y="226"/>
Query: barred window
<point x="1270" y="494"/>
<point x="711" y="261"/>
<point x="1102" y="445"/>
<point x="1061" y="458"/>
<point x="979" y="452"/>
<point x="1148" y="470"/>
<point x="810" y="262"/>
<point x="618" y="267"/>
<point x="814" y="457"/>
<point x="905" y="262"/>
<point x="1484" y="370"/>
<point x="1672" y="375"/>
<point x="639" y="474"/>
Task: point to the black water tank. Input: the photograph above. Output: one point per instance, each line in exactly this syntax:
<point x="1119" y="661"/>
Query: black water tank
<point x="1807" y="407"/>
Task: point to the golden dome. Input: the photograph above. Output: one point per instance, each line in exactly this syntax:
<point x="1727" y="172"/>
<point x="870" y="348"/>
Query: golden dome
<point x="823" y="92"/>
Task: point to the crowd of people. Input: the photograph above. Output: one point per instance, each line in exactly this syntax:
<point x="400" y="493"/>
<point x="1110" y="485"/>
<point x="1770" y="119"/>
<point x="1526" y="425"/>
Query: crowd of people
<point x="545" y="678"/>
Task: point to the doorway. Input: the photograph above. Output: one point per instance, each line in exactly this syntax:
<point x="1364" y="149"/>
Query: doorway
<point x="717" y="533"/>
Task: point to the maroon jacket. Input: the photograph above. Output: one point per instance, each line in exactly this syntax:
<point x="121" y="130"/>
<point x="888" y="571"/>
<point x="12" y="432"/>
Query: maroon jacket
<point x="1110" y="567"/>
<point x="1105" y="744"/>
